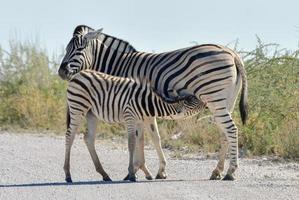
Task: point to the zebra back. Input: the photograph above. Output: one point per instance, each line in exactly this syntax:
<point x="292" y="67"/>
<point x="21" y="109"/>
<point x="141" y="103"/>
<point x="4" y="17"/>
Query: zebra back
<point x="206" y="71"/>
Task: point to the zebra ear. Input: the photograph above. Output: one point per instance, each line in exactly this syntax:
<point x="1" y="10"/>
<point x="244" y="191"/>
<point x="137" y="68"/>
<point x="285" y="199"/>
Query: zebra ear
<point x="94" y="34"/>
<point x="100" y="30"/>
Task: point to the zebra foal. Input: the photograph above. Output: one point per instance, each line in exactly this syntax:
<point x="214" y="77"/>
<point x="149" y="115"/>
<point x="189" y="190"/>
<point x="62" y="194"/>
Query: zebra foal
<point x="115" y="99"/>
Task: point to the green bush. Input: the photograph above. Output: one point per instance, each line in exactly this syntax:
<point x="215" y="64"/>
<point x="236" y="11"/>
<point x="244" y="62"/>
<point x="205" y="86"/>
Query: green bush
<point x="274" y="106"/>
<point x="32" y="95"/>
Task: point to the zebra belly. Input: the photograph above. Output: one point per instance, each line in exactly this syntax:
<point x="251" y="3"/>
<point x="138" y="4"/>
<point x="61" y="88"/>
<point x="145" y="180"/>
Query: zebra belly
<point x="174" y="117"/>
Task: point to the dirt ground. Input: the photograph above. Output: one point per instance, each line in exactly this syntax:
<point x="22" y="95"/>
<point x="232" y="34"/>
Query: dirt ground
<point x="31" y="168"/>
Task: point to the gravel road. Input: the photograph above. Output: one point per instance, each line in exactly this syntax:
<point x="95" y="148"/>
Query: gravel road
<point x="31" y="168"/>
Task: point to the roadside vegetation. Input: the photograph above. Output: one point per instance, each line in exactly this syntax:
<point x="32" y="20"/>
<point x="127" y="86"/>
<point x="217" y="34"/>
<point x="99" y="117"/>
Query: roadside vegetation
<point x="32" y="97"/>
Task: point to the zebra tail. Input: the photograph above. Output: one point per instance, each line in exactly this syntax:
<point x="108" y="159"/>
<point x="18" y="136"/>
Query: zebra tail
<point x="243" y="104"/>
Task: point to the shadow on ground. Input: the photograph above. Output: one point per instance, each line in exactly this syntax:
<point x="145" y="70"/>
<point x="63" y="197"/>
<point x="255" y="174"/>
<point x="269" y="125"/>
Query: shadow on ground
<point x="88" y="183"/>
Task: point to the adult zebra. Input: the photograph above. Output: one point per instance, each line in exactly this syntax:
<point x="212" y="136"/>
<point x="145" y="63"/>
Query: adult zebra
<point x="130" y="101"/>
<point x="212" y="73"/>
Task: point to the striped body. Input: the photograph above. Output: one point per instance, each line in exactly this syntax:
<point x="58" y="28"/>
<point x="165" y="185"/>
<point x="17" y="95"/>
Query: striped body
<point x="117" y="99"/>
<point x="212" y="73"/>
<point x="199" y="70"/>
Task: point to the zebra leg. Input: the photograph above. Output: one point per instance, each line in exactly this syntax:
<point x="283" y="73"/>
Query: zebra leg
<point x="73" y="128"/>
<point x="152" y="127"/>
<point x="69" y="139"/>
<point x="146" y="171"/>
<point x="225" y="122"/>
<point x="131" y="126"/>
<point x="89" y="139"/>
<point x="140" y="153"/>
<point x="139" y="159"/>
<point x="216" y="174"/>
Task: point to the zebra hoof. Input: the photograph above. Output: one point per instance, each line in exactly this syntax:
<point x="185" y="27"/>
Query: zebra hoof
<point x="133" y="178"/>
<point x="126" y="178"/>
<point x="107" y="178"/>
<point x="215" y="176"/>
<point x="161" y="176"/>
<point x="130" y="178"/>
<point x="228" y="177"/>
<point x="149" y="178"/>
<point x="68" y="180"/>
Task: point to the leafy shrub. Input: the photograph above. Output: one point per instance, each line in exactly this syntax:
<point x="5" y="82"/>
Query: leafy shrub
<point x="32" y="95"/>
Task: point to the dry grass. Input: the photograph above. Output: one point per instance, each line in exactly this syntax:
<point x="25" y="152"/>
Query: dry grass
<point x="33" y="97"/>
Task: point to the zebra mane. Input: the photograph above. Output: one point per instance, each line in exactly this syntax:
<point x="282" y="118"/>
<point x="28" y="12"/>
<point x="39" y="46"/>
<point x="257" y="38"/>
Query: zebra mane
<point x="128" y="49"/>
<point x="83" y="30"/>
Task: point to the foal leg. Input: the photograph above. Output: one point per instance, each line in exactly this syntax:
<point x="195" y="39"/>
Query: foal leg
<point x="89" y="139"/>
<point x="152" y="127"/>
<point x="73" y="127"/>
<point x="131" y="127"/>
<point x="69" y="139"/>
<point x="139" y="159"/>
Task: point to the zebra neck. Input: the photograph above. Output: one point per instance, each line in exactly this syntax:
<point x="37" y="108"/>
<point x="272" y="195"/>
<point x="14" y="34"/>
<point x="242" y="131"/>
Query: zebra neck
<point x="109" y="60"/>
<point x="110" y="52"/>
<point x="117" y="57"/>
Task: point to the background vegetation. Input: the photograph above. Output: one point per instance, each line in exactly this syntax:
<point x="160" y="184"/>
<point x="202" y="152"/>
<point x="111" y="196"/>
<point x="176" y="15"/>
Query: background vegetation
<point x="32" y="97"/>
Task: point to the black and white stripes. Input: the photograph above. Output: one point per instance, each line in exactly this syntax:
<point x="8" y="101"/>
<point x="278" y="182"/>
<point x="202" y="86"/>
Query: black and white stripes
<point x="212" y="73"/>
<point x="117" y="99"/>
<point x="113" y="98"/>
